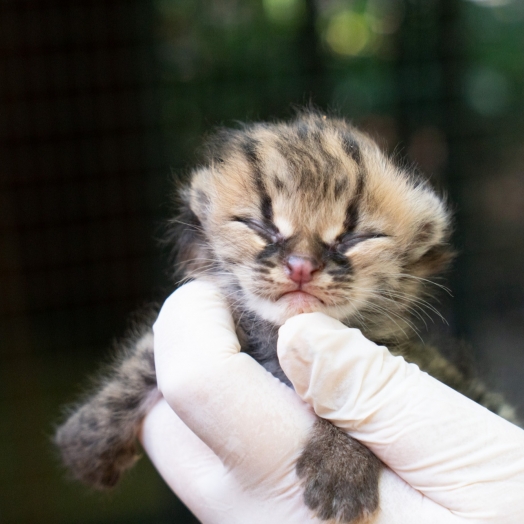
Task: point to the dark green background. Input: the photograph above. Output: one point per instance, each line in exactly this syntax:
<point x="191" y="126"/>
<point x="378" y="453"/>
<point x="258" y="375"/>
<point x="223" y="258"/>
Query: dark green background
<point x="102" y="101"/>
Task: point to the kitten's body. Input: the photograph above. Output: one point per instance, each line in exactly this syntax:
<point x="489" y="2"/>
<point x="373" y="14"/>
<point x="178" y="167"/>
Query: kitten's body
<point x="289" y="218"/>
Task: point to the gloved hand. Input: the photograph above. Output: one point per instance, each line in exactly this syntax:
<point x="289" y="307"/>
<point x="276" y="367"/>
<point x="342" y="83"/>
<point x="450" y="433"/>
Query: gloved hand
<point x="228" y="433"/>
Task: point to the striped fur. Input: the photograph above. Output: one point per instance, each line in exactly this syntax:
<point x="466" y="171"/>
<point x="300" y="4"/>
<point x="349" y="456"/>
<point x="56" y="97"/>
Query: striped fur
<point x="318" y="188"/>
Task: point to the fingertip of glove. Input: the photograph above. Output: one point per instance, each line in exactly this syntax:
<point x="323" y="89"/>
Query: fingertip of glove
<point x="307" y="320"/>
<point x="297" y="330"/>
<point x="199" y="288"/>
<point x="197" y="295"/>
<point x="199" y="291"/>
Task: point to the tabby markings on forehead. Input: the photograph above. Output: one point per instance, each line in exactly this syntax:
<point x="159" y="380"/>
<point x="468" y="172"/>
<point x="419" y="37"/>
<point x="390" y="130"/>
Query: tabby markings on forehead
<point x="249" y="147"/>
<point x="341" y="185"/>
<point x="352" y="211"/>
<point x="351" y="148"/>
<point x="332" y="161"/>
<point x="326" y="187"/>
<point x="279" y="184"/>
<point x="303" y="162"/>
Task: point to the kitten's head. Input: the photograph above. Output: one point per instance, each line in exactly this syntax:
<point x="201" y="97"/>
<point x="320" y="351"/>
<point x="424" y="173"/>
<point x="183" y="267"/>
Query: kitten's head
<point x="311" y="216"/>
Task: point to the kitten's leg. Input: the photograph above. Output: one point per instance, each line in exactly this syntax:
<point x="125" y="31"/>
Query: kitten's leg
<point x="98" y="440"/>
<point x="339" y="474"/>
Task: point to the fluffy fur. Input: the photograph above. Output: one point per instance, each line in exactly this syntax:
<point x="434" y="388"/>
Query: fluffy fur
<point x="372" y="235"/>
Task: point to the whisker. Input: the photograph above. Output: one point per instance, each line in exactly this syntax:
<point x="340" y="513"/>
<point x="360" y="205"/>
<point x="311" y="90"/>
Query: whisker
<point x="444" y="288"/>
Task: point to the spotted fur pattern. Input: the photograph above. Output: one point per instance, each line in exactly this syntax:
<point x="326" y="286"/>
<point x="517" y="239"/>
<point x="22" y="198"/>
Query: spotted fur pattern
<point x="319" y="189"/>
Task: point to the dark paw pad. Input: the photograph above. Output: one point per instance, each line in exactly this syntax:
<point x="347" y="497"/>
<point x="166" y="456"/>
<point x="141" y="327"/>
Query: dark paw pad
<point x="340" y="475"/>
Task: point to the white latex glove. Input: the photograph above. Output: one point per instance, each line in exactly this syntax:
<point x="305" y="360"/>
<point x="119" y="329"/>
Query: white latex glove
<point x="230" y="452"/>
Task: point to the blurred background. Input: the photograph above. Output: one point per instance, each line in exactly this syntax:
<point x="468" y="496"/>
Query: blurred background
<point x="102" y="101"/>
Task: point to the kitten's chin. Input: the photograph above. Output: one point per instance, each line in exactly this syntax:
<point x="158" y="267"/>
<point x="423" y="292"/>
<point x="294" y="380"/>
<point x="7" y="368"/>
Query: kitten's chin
<point x="297" y="302"/>
<point x="287" y="306"/>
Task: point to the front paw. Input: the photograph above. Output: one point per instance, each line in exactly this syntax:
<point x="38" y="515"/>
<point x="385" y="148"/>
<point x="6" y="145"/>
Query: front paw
<point x="339" y="474"/>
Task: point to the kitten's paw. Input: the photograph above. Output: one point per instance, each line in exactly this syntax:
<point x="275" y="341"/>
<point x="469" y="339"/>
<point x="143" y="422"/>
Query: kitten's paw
<point x="340" y="476"/>
<point x="95" y="452"/>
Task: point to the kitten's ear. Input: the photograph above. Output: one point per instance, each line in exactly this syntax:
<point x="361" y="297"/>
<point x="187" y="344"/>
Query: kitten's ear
<point x="431" y="252"/>
<point x="195" y="196"/>
<point x="434" y="261"/>
<point x="186" y="235"/>
<point x="434" y="253"/>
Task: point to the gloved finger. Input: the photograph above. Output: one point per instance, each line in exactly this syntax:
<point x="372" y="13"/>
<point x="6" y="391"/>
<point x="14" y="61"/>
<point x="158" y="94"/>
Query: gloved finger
<point x="452" y="450"/>
<point x="228" y="400"/>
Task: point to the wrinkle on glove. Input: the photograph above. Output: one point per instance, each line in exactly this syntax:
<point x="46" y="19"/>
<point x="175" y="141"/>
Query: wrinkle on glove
<point x="455" y="452"/>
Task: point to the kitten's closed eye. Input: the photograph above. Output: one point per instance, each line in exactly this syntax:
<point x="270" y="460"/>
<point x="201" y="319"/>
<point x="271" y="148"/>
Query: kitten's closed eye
<point x="348" y="240"/>
<point x="265" y="229"/>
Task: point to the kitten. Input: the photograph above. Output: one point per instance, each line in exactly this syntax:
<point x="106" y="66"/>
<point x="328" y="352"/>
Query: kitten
<point x="288" y="218"/>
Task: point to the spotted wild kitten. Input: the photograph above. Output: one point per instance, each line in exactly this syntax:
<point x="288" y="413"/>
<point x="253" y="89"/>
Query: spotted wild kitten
<point x="288" y="218"/>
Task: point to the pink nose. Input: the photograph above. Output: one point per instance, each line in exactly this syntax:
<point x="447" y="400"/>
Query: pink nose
<point x="301" y="269"/>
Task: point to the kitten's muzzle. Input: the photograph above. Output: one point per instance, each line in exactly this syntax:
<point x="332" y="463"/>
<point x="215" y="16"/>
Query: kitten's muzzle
<point x="301" y="269"/>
